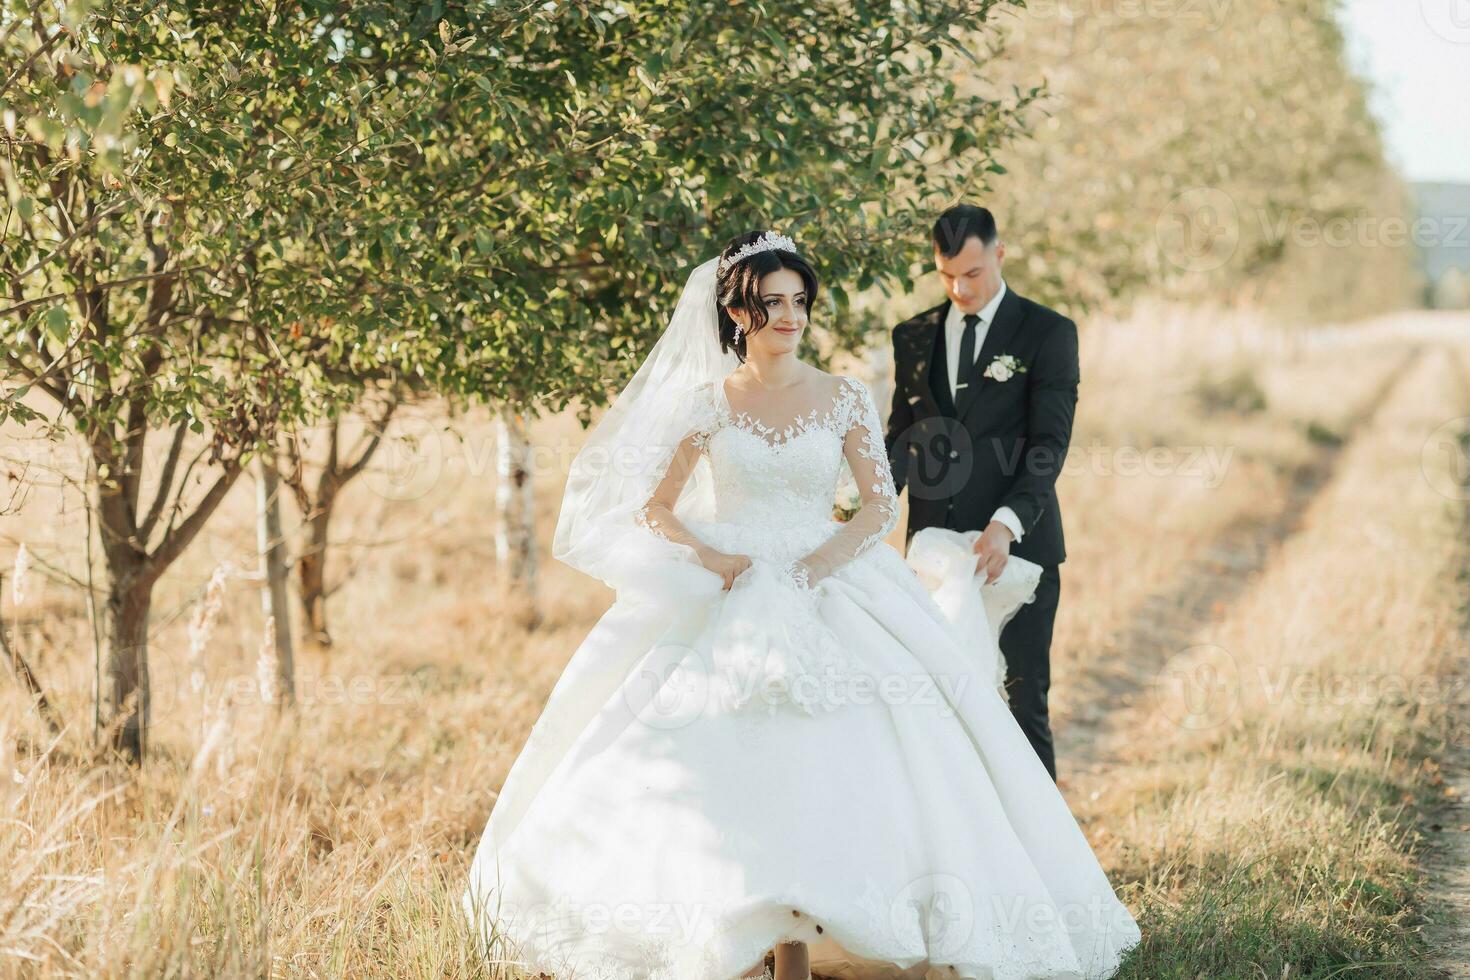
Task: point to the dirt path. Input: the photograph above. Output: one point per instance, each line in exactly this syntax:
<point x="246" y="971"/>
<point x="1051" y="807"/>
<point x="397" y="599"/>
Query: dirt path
<point x="1170" y="621"/>
<point x="1167" y="622"/>
<point x="1446" y="857"/>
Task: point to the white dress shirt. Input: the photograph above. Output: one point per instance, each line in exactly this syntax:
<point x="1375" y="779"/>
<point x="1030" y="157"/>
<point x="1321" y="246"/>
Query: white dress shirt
<point x="954" y="333"/>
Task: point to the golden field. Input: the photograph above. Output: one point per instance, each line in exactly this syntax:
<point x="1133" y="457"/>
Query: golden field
<point x="1256" y="681"/>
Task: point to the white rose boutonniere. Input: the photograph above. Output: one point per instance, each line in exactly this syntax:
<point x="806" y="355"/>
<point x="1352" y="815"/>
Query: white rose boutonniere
<point x="1004" y="367"/>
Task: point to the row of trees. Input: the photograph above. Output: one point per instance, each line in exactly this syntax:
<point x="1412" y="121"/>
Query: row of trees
<point x="223" y="227"/>
<point x="223" y="224"/>
<point x="1219" y="152"/>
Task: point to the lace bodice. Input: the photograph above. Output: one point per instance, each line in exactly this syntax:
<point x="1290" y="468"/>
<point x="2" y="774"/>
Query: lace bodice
<point x="771" y="477"/>
<point x="777" y="478"/>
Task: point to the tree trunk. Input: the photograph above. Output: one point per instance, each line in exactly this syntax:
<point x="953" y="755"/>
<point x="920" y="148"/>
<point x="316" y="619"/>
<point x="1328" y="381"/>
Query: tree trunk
<point x="132" y="573"/>
<point x="129" y="693"/>
<point x="880" y="373"/>
<point x="273" y="598"/>
<point x="515" y="531"/>
<point x="312" y="566"/>
<point x="317" y="509"/>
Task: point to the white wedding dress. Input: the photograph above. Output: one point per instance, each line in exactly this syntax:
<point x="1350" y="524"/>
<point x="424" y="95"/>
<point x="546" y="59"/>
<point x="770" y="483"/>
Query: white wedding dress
<point x="718" y="771"/>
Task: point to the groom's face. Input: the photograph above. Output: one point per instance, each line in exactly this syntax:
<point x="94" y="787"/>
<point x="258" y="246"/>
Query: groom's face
<point x="971" y="276"/>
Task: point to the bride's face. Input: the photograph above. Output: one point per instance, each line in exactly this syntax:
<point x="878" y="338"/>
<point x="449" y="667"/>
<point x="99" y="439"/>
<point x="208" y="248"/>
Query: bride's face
<point x="784" y="296"/>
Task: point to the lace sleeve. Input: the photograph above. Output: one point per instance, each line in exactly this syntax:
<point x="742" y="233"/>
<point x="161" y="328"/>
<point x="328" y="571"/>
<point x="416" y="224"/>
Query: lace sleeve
<point x="862" y="445"/>
<point x="657" y="514"/>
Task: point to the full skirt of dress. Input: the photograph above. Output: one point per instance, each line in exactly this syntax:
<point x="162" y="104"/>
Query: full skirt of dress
<point x="718" y="771"/>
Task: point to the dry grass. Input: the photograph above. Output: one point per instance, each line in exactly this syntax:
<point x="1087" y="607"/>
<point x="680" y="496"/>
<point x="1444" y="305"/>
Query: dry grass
<point x="333" y="842"/>
<point x="1265" y="796"/>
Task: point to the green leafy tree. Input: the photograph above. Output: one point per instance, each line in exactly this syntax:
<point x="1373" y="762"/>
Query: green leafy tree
<point x="180" y="180"/>
<point x="615" y="145"/>
<point x="222" y="221"/>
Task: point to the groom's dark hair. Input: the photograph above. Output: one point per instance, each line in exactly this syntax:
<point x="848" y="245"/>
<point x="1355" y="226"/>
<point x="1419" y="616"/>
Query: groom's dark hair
<point x="957" y="224"/>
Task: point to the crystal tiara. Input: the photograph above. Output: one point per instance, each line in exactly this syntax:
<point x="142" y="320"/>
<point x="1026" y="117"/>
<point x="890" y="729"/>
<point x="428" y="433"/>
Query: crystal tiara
<point x="768" y="241"/>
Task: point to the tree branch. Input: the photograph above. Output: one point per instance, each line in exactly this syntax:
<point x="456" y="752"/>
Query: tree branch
<point x="165" y="482"/>
<point x="178" y="538"/>
<point x="44" y="383"/>
<point x="25" y="65"/>
<point x="370" y="442"/>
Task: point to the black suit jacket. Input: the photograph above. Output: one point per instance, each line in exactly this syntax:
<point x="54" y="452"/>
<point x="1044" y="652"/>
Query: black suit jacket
<point x="1004" y="443"/>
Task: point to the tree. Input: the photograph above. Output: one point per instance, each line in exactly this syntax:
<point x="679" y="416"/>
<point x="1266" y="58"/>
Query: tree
<point x="317" y="498"/>
<point x="1216" y="161"/>
<point x="164" y="245"/>
<point x="223" y="220"/>
<point x="618" y="145"/>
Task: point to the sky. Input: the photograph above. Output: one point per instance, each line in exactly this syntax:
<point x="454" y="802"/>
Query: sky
<point x="1415" y="54"/>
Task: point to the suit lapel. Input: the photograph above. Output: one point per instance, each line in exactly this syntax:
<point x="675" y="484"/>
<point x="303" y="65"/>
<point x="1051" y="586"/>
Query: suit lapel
<point x="924" y="339"/>
<point x="998" y="339"/>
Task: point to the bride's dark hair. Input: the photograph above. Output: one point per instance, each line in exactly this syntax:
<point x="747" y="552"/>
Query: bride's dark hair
<point x="739" y="286"/>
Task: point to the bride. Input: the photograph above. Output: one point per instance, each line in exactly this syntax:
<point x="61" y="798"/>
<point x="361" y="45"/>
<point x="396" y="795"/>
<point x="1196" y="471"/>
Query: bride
<point x="774" y="740"/>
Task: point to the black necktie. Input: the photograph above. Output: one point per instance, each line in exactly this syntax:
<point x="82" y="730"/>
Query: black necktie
<point x="967" y="355"/>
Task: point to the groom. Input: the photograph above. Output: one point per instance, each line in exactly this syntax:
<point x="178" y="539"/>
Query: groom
<point x="985" y="388"/>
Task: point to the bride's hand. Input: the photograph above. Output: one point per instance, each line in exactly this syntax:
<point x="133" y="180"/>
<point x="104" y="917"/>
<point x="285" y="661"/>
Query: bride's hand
<point x="728" y="567"/>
